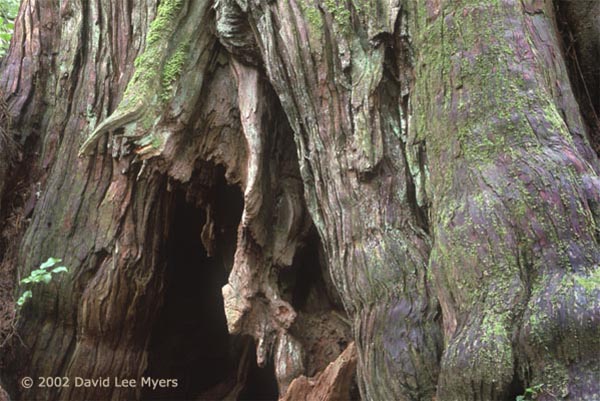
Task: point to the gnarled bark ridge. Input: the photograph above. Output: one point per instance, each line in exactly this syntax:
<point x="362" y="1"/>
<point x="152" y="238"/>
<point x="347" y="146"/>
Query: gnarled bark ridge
<point x="437" y="148"/>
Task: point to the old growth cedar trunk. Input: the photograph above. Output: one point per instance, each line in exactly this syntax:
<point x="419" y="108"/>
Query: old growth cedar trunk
<point x="240" y="189"/>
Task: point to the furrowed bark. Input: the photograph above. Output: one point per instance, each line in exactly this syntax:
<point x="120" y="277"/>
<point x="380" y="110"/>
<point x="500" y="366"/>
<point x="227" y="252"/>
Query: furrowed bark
<point x="344" y="107"/>
<point x="436" y="146"/>
<point x="515" y="201"/>
<point x="8" y="147"/>
<point x="107" y="214"/>
<point x="82" y="202"/>
<point x="579" y="22"/>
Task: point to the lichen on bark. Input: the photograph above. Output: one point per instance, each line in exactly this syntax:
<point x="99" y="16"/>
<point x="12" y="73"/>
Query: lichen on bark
<point x="510" y="213"/>
<point x="153" y="67"/>
<point x="436" y="146"/>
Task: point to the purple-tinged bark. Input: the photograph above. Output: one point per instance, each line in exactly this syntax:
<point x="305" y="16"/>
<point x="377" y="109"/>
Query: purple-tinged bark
<point x="514" y="190"/>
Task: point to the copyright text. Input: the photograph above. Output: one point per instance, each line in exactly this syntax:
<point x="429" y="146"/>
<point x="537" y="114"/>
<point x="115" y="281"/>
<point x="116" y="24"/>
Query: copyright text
<point x="115" y="382"/>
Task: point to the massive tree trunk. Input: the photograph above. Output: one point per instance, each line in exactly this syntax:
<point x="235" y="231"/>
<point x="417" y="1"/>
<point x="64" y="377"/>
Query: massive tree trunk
<point x="514" y="201"/>
<point x="241" y="188"/>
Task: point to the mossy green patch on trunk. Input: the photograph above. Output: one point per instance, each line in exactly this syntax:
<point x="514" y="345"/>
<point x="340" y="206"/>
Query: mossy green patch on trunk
<point x="508" y="207"/>
<point x="144" y="89"/>
<point x="172" y="69"/>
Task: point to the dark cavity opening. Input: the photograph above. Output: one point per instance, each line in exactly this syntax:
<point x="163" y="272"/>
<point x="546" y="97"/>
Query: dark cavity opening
<point x="261" y="383"/>
<point x="516" y="388"/>
<point x="309" y="281"/>
<point x="190" y="341"/>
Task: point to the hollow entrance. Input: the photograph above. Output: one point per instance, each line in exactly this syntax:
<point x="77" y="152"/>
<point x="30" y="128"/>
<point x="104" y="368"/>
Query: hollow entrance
<point x="190" y="341"/>
<point x="261" y="384"/>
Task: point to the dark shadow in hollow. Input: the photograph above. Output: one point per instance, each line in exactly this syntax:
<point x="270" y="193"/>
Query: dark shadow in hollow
<point x="516" y="388"/>
<point x="312" y="287"/>
<point x="261" y="383"/>
<point x="190" y="341"/>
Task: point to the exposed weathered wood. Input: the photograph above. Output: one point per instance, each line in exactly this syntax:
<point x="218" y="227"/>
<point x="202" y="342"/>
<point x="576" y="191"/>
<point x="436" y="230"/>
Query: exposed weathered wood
<point x="342" y="99"/>
<point x="436" y="146"/>
<point x="106" y="214"/>
<point x="330" y="385"/>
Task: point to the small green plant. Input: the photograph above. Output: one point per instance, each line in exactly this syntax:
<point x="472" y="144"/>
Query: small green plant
<point x="41" y="275"/>
<point x="8" y="13"/>
<point x="530" y="393"/>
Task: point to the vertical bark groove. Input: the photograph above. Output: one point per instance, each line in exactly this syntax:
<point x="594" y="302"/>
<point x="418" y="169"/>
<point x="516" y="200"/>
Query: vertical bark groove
<point x="436" y="146"/>
<point x="353" y="170"/>
<point x="507" y="178"/>
<point x="579" y="22"/>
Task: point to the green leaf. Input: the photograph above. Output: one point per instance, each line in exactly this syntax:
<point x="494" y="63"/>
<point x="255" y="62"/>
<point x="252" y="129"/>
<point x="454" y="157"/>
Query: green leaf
<point x="46" y="278"/>
<point x="24" y="297"/>
<point x="49" y="263"/>
<point x="36" y="274"/>
<point x="59" y="269"/>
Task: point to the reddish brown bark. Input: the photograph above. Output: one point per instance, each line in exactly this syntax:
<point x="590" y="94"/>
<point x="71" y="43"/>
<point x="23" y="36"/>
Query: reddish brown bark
<point x="330" y="385"/>
<point x="391" y="157"/>
<point x="107" y="215"/>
